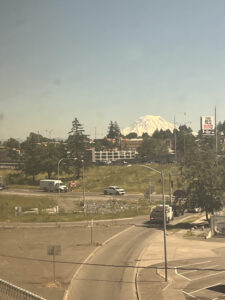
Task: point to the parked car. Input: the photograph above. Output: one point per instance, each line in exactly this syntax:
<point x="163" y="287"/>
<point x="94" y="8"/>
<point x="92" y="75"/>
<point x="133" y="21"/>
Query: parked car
<point x="114" y="190"/>
<point x="3" y="187"/>
<point x="178" y="210"/>
<point x="157" y="216"/>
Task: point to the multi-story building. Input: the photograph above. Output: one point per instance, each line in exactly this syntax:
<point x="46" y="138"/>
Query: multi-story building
<point x="112" y="155"/>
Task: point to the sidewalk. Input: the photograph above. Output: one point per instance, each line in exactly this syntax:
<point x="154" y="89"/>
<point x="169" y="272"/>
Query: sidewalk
<point x="150" y="281"/>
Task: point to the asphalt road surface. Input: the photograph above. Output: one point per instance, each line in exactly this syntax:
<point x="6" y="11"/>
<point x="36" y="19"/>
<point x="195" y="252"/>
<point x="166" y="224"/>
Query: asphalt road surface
<point x="205" y="278"/>
<point x="88" y="195"/>
<point x="200" y="279"/>
<point x="110" y="273"/>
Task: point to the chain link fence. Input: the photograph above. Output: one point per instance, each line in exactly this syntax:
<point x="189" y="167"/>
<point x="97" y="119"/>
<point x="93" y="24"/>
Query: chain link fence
<point x="9" y="291"/>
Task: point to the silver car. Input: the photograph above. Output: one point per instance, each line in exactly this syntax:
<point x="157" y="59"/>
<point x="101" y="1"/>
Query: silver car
<point x="114" y="190"/>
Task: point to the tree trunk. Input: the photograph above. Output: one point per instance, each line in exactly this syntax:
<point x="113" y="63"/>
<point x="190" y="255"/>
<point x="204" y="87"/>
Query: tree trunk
<point x="207" y="215"/>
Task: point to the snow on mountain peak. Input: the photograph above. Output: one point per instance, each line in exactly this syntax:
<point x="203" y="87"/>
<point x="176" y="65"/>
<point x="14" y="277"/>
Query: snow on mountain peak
<point x="148" y="124"/>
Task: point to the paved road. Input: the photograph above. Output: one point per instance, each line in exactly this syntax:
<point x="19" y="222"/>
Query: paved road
<point x="110" y="273"/>
<point x="78" y="195"/>
<point x="204" y="278"/>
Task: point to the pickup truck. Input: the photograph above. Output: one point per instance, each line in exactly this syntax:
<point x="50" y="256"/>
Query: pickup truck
<point x="156" y="216"/>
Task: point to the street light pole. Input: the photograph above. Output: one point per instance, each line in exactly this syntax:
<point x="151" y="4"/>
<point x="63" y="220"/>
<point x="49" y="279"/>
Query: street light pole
<point x="164" y="228"/>
<point x="83" y="183"/>
<point x="59" y="164"/>
<point x="164" y="217"/>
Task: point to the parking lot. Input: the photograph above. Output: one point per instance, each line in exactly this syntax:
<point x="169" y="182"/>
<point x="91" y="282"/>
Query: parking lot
<point x="204" y="278"/>
<point x="196" y="278"/>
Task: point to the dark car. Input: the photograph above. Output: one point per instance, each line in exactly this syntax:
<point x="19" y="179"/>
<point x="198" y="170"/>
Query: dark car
<point x="3" y="187"/>
<point x="178" y="210"/>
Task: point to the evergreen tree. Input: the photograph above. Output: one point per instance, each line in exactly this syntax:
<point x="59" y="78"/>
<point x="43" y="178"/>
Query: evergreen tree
<point x="77" y="144"/>
<point x="131" y="135"/>
<point x="153" y="149"/>
<point x="113" y="130"/>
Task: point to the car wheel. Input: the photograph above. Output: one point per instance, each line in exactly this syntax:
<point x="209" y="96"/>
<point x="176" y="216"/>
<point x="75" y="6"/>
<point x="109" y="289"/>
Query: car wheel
<point x="117" y="193"/>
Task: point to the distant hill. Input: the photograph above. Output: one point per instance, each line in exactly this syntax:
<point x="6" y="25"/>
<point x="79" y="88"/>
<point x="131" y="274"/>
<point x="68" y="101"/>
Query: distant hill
<point x="148" y="124"/>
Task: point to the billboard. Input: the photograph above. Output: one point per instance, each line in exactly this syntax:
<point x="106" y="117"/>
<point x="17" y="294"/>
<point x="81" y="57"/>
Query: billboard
<point x="208" y="125"/>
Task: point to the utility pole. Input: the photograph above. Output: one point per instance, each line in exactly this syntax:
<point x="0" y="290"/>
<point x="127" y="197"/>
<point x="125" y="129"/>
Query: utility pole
<point x="215" y="133"/>
<point x="175" y="139"/>
<point x="170" y="187"/>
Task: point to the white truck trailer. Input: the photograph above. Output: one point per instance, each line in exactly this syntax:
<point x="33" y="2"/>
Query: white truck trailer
<point x="51" y="185"/>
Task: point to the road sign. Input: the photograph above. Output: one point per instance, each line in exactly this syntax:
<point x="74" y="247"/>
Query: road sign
<point x="54" y="250"/>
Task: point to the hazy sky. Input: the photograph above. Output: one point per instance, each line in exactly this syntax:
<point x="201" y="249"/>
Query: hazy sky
<point x="101" y="60"/>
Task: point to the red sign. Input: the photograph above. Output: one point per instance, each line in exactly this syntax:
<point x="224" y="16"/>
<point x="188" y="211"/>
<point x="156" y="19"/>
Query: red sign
<point x="73" y="183"/>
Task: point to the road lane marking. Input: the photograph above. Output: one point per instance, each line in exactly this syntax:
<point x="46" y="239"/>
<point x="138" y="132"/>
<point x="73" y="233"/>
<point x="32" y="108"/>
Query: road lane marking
<point x="187" y="272"/>
<point x="188" y="294"/>
<point x="209" y="275"/>
<point x="199" y="263"/>
<point x="181" y="275"/>
<point x="205" y="288"/>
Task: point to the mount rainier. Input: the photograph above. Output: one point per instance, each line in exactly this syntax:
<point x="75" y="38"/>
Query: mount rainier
<point x="148" y="124"/>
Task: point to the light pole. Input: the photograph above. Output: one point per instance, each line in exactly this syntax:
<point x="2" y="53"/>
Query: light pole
<point x="164" y="216"/>
<point x="83" y="183"/>
<point x="59" y="164"/>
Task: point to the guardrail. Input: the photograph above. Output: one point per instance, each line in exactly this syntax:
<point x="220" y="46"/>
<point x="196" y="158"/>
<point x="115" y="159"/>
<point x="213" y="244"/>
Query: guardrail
<point x="9" y="291"/>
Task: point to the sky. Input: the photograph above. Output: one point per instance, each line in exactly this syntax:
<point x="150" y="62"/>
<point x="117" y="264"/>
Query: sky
<point x="100" y="60"/>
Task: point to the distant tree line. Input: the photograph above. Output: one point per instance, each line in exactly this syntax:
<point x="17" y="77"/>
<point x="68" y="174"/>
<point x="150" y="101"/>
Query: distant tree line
<point x="200" y="161"/>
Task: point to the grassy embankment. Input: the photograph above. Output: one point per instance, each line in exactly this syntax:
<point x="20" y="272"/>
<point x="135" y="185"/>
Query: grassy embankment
<point x="133" y="179"/>
<point x="9" y="202"/>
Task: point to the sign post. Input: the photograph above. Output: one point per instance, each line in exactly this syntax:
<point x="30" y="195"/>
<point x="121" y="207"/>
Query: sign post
<point x="54" y="250"/>
<point x="91" y="226"/>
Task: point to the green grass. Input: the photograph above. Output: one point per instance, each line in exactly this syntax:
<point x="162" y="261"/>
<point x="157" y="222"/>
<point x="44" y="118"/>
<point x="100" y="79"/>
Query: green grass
<point x="189" y="233"/>
<point x="134" y="179"/>
<point x="8" y="203"/>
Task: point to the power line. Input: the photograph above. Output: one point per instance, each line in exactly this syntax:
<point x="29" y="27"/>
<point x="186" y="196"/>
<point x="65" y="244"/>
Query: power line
<point x="111" y="265"/>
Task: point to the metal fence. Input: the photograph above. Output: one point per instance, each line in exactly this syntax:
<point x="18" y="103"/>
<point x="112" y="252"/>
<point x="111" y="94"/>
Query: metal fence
<point x="9" y="291"/>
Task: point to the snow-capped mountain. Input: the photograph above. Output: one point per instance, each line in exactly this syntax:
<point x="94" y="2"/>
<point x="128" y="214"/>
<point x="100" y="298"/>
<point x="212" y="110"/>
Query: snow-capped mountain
<point x="148" y="124"/>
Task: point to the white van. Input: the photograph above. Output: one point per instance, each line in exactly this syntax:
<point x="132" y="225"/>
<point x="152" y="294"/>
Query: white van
<point x="51" y="185"/>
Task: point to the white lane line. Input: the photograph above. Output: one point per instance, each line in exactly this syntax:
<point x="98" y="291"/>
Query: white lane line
<point x="209" y="275"/>
<point x="182" y="275"/>
<point x="205" y="288"/>
<point x="188" y="272"/>
<point x="199" y="269"/>
<point x="200" y="263"/>
<point x="189" y="295"/>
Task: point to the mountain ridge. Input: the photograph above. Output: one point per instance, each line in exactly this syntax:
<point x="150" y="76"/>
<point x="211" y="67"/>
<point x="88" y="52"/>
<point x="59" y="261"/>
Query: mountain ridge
<point x="149" y="124"/>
